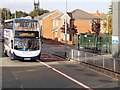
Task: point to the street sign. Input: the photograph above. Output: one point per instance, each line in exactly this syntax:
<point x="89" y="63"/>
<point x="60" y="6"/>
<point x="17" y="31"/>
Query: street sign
<point x="115" y="40"/>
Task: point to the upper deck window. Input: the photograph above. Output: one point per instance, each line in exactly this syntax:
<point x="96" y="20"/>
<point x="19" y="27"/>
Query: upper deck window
<point x="26" y="25"/>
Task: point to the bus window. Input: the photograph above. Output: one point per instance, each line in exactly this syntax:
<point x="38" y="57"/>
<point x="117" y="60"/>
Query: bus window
<point x="26" y="44"/>
<point x="26" y="25"/>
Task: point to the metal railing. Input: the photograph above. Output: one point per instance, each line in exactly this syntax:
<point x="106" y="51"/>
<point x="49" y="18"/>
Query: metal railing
<point x="101" y="61"/>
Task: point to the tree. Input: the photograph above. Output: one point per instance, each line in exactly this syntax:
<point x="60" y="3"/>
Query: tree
<point x="107" y="21"/>
<point x="96" y="30"/>
<point x="37" y="12"/>
<point x="110" y="18"/>
<point x="96" y="26"/>
<point x="111" y="8"/>
<point x="6" y="14"/>
<point x="19" y="14"/>
<point x="71" y="30"/>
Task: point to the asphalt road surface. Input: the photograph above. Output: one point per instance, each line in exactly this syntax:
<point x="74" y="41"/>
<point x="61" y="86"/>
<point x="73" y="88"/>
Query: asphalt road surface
<point x="51" y="72"/>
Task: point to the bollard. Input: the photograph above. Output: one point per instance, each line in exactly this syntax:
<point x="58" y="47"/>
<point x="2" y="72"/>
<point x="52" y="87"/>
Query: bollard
<point x="78" y="55"/>
<point x="85" y="57"/>
<point x="114" y="65"/>
<point x="72" y="53"/>
<point x="94" y="61"/>
<point x="103" y="62"/>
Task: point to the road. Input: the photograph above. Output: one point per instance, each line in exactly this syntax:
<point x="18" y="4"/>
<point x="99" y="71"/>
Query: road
<point x="51" y="72"/>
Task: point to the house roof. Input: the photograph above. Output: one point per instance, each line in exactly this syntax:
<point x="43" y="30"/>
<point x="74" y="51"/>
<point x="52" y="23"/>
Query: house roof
<point x="100" y="15"/>
<point x="46" y="14"/>
<point x="59" y="16"/>
<point x="80" y="14"/>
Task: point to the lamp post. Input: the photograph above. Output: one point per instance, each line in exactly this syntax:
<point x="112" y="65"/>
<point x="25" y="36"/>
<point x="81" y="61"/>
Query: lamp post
<point x="15" y="11"/>
<point x="66" y="30"/>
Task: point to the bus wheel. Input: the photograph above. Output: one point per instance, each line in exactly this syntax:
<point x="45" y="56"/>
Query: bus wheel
<point x="11" y="57"/>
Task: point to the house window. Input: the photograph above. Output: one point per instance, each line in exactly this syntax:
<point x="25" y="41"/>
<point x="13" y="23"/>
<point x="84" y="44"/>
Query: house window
<point x="53" y="23"/>
<point x="64" y="22"/>
<point x="56" y="23"/>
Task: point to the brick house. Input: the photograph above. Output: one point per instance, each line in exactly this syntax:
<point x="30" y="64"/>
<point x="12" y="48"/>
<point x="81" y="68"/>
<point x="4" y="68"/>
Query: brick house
<point x="58" y="22"/>
<point x="79" y="18"/>
<point x="46" y="23"/>
<point x="82" y="20"/>
<point x="52" y="22"/>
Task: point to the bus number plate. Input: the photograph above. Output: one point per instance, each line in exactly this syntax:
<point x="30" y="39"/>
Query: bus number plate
<point x="26" y="58"/>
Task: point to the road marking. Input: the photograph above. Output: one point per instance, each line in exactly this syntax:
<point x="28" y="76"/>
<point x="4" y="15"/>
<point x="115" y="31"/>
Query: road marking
<point x="65" y="75"/>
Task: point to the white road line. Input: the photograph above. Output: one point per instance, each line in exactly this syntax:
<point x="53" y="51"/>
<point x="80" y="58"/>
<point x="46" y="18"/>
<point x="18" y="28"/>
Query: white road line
<point x="65" y="75"/>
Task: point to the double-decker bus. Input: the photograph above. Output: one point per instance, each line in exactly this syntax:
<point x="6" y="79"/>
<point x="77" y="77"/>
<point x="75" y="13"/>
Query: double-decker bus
<point x="22" y="39"/>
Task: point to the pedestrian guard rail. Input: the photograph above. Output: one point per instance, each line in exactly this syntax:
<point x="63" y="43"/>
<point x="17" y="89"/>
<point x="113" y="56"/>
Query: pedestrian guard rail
<point x="101" y="61"/>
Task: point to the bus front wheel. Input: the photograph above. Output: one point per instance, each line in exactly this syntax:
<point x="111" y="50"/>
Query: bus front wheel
<point x="11" y="56"/>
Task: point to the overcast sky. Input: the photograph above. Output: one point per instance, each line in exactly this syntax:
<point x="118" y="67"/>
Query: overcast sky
<point x="87" y="5"/>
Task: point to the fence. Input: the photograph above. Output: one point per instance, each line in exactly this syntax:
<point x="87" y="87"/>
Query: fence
<point x="102" y="43"/>
<point x="96" y="60"/>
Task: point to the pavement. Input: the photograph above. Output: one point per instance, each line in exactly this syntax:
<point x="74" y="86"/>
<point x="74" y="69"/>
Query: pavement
<point x="99" y="63"/>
